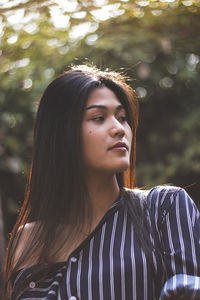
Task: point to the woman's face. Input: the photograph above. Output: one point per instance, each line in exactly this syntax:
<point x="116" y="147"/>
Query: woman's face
<point x="106" y="135"/>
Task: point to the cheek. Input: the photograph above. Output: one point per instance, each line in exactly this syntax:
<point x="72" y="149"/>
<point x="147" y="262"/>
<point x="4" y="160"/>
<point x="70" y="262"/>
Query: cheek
<point x="129" y="134"/>
<point x="89" y="139"/>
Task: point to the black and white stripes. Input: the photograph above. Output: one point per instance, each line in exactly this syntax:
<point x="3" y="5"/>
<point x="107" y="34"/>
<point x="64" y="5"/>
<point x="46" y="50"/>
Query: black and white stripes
<point x="110" y="264"/>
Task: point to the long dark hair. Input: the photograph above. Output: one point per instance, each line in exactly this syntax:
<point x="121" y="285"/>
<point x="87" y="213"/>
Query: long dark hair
<point x="56" y="190"/>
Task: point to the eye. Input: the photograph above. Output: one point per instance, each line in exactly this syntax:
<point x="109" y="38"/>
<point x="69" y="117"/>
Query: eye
<point x="122" y="119"/>
<point x="98" y="119"/>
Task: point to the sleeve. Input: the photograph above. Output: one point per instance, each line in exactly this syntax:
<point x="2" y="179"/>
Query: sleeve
<point x="177" y="222"/>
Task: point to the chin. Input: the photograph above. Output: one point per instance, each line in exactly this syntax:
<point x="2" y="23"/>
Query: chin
<point x="121" y="168"/>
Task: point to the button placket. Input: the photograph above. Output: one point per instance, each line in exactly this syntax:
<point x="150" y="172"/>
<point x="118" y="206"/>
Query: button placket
<point x="73" y="259"/>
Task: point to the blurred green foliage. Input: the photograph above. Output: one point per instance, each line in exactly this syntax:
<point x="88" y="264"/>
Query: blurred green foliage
<point x="157" y="43"/>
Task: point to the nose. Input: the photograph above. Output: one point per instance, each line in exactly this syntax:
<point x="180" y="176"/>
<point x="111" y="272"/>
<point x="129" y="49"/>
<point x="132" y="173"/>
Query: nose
<point x="117" y="128"/>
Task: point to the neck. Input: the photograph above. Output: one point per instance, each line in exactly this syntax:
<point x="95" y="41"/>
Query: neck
<point x="103" y="191"/>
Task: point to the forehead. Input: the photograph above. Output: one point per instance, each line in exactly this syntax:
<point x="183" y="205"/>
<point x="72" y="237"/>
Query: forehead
<point x="103" y="96"/>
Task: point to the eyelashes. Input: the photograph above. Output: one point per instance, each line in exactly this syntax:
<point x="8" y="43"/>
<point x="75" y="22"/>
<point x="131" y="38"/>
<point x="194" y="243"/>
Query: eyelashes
<point x="101" y="119"/>
<point x="98" y="119"/>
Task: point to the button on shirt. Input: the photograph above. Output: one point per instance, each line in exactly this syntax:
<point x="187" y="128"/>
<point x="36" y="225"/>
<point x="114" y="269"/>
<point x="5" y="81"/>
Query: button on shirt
<point x="73" y="259"/>
<point x="110" y="264"/>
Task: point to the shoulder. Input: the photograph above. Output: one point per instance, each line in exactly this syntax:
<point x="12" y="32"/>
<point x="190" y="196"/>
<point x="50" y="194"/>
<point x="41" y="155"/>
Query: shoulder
<point x="162" y="194"/>
<point x="158" y="195"/>
<point x="137" y="193"/>
<point x="167" y="195"/>
<point x="164" y="201"/>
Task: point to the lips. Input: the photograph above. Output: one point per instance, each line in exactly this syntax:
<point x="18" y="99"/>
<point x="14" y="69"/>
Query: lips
<point x="119" y="145"/>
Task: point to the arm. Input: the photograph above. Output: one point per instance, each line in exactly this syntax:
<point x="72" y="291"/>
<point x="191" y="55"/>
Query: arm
<point x="178" y="227"/>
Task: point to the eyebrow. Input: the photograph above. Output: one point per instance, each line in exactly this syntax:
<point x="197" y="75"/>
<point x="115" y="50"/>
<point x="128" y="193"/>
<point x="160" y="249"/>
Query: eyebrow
<point x="103" y="107"/>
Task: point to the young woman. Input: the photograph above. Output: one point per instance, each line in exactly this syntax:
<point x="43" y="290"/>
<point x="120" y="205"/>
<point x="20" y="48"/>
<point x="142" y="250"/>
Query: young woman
<point x="80" y="233"/>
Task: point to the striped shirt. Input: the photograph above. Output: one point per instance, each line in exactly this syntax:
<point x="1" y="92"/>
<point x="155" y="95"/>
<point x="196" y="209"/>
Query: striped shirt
<point x="110" y="264"/>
